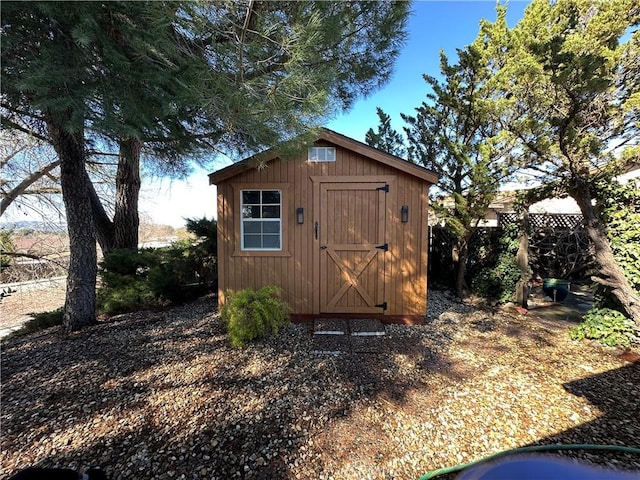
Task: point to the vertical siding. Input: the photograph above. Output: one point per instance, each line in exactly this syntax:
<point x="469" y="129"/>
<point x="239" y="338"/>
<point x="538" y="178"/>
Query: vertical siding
<point x="297" y="275"/>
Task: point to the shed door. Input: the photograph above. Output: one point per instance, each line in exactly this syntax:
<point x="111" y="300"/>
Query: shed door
<point x="352" y="247"/>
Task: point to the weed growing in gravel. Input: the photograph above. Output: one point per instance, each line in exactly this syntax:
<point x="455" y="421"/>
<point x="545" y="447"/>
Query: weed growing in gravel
<point x="249" y="314"/>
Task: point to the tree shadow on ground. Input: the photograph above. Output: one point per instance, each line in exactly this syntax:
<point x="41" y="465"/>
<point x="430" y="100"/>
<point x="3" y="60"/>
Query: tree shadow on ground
<point x="616" y="395"/>
<point x="161" y="394"/>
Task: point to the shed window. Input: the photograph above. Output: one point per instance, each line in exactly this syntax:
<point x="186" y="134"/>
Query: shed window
<point x="261" y="226"/>
<point x="322" y="154"/>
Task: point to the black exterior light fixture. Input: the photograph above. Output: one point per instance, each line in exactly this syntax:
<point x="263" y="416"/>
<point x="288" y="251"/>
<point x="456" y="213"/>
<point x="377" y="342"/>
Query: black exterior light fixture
<point x="404" y="213"/>
<point x="300" y="215"/>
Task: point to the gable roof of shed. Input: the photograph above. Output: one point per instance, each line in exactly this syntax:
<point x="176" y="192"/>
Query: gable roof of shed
<point x="341" y="141"/>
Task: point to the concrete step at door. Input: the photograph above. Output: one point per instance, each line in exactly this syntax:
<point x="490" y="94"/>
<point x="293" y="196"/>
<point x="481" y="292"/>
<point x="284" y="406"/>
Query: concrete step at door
<point x="334" y="336"/>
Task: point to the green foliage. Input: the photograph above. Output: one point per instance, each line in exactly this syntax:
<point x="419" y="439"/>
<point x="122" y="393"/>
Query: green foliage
<point x="7" y="245"/>
<point x="498" y="283"/>
<point x="204" y="252"/>
<point x="386" y="138"/>
<point x="620" y="213"/>
<point x="148" y="278"/>
<point x="40" y="321"/>
<point x="125" y="286"/>
<point x="453" y="134"/>
<point x="609" y="327"/>
<point x="565" y="83"/>
<point x="498" y="280"/>
<point x="250" y="314"/>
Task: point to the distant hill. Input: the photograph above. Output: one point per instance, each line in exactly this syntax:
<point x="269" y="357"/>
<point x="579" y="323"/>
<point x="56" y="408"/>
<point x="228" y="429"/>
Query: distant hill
<point x="47" y="227"/>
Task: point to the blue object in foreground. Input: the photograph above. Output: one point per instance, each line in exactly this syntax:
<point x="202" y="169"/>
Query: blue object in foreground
<point x="538" y="467"/>
<point x="556" y="289"/>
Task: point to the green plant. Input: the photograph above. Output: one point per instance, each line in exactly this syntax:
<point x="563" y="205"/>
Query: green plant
<point x="7" y="246"/>
<point x="608" y="326"/>
<point x="40" y="321"/>
<point x="497" y="282"/>
<point x="124" y="285"/>
<point x="250" y="314"/>
<point x="148" y="278"/>
<point x="620" y="213"/>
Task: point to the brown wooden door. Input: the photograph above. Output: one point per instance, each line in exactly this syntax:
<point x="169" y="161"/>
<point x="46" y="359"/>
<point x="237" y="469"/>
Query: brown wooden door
<point x="352" y="253"/>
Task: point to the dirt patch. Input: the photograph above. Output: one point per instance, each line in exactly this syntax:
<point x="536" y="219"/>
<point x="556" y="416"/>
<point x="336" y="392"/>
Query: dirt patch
<point x="162" y="395"/>
<point x="16" y="307"/>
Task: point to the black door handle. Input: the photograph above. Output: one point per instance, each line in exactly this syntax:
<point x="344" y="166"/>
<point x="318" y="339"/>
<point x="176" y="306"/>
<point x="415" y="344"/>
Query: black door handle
<point x="315" y="229"/>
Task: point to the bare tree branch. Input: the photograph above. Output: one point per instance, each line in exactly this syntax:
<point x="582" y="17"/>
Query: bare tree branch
<point x="25" y="184"/>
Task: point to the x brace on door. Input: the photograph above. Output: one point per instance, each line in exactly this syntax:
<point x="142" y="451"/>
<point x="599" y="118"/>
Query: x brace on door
<point x="351" y="277"/>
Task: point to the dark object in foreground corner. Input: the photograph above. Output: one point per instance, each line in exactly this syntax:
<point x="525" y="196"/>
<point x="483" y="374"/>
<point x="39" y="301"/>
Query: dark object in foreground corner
<point x="541" y="467"/>
<point x="36" y="473"/>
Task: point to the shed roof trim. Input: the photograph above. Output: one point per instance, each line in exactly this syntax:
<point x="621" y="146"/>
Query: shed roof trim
<point x="342" y="141"/>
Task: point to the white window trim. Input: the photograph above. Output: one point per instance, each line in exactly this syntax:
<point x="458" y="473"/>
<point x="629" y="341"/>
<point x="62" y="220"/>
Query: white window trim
<point x="314" y="154"/>
<point x="242" y="220"/>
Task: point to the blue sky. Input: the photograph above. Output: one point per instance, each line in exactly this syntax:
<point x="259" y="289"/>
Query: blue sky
<point x="433" y="26"/>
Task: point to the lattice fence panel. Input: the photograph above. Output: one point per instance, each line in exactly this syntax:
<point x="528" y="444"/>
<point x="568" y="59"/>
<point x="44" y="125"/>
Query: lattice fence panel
<point x="539" y="221"/>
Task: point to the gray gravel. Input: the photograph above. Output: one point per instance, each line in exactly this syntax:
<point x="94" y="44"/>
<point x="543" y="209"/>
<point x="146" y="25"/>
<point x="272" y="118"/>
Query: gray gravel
<point x="162" y="395"/>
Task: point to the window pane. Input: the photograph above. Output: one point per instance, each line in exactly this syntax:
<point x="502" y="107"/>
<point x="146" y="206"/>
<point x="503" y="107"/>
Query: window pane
<point x="251" y="196"/>
<point x="252" y="241"/>
<point x="251" y="211"/>
<point x="271" y="196"/>
<point x="252" y="227"/>
<point x="259" y="234"/>
<point x="331" y="154"/>
<point x="271" y="241"/>
<point x="271" y="227"/>
<point x="271" y="212"/>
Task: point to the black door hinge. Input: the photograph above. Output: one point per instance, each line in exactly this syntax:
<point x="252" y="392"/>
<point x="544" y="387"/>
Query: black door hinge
<point x="384" y="247"/>
<point x="382" y="305"/>
<point x="385" y="188"/>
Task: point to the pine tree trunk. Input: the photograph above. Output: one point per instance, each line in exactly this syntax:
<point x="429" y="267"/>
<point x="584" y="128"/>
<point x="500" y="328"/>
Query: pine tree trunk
<point x="80" y="302"/>
<point x="462" y="252"/>
<point x="126" y="220"/>
<point x="522" y="260"/>
<point x="610" y="275"/>
<point x="104" y="225"/>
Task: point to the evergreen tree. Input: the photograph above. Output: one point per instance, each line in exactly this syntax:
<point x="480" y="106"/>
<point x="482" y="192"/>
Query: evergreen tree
<point x="451" y="133"/>
<point x="568" y="91"/>
<point x="174" y="78"/>
<point x="386" y="138"/>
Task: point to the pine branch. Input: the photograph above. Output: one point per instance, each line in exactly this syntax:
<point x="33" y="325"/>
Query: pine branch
<point x="16" y="126"/>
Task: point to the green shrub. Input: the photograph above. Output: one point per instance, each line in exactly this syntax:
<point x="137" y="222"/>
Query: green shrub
<point x="40" y="321"/>
<point x="496" y="274"/>
<point x="609" y="327"/>
<point x="134" y="279"/>
<point x="498" y="283"/>
<point x="124" y="286"/>
<point x="250" y="314"/>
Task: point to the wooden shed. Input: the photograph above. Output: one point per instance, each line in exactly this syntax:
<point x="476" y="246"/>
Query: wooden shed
<point x="342" y="230"/>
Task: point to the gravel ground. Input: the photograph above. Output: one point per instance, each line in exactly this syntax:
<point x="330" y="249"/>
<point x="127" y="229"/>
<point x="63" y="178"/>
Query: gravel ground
<point x="162" y="395"/>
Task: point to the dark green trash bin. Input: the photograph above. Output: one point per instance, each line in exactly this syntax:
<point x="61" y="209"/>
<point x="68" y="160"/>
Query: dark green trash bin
<point x="556" y="289"/>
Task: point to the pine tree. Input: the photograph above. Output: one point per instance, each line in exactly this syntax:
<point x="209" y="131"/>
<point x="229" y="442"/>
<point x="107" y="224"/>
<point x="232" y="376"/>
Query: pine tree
<point x="451" y="133"/>
<point x="386" y="138"/>
<point x="172" y="79"/>
<point x="567" y="87"/>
